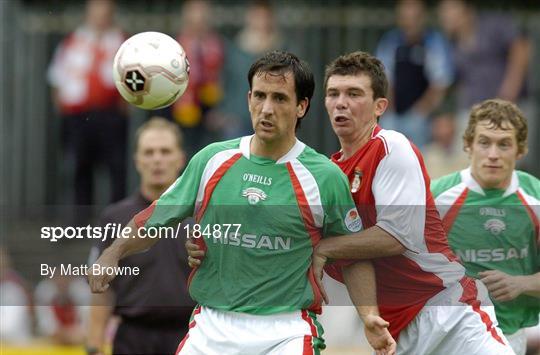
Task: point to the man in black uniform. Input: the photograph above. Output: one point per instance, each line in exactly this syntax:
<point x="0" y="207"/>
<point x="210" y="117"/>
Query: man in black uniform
<point x="154" y="307"/>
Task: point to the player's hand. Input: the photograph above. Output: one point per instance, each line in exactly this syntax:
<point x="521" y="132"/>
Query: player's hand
<point x="99" y="281"/>
<point x="502" y="287"/>
<point x="194" y="254"/>
<point x="378" y="336"/>
<point x="317" y="264"/>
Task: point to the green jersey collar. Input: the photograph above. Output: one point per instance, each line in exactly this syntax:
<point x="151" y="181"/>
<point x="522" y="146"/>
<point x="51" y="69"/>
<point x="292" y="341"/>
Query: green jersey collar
<point x="292" y="154"/>
<point x="473" y="185"/>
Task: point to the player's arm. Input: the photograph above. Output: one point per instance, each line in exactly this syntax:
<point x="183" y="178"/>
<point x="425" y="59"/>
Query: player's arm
<point x="531" y="284"/>
<point x="122" y="247"/>
<point x="100" y="313"/>
<point x="370" y="243"/>
<point x="360" y="281"/>
<point x="341" y="216"/>
<point x="503" y="287"/>
<point x="175" y="205"/>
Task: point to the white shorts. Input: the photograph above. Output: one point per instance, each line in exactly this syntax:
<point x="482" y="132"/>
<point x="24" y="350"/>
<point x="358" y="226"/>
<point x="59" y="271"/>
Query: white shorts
<point x="518" y="341"/>
<point x="218" y="332"/>
<point x="455" y="329"/>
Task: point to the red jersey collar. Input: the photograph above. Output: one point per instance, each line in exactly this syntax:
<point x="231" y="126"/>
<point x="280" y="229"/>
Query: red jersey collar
<point x="337" y="155"/>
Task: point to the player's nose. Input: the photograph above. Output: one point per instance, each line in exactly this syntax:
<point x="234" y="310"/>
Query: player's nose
<point x="267" y="107"/>
<point x="341" y="102"/>
<point x="493" y="152"/>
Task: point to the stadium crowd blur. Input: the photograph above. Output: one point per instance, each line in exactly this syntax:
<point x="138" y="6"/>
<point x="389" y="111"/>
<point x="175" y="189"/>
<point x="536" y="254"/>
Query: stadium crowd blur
<point x="441" y="57"/>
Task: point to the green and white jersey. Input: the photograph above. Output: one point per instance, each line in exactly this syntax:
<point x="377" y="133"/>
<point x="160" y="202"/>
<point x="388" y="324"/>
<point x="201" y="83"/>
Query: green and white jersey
<point x="260" y="220"/>
<point x="494" y="229"/>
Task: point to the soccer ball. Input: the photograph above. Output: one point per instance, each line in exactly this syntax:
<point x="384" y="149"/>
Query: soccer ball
<point x="151" y="70"/>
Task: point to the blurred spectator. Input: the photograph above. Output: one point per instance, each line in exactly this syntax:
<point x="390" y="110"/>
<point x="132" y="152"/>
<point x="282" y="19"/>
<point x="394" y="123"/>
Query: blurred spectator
<point x="61" y="308"/>
<point x="152" y="322"/>
<point x="417" y="60"/>
<point x="15" y="304"/>
<point x="259" y="35"/>
<point x="205" y="52"/>
<point x="94" y="125"/>
<point x="442" y="156"/>
<point x="492" y="57"/>
<point x="490" y="53"/>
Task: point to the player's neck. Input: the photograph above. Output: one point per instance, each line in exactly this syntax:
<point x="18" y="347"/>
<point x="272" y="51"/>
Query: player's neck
<point x="271" y="150"/>
<point x="353" y="143"/>
<point x="152" y="193"/>
<point x="501" y="185"/>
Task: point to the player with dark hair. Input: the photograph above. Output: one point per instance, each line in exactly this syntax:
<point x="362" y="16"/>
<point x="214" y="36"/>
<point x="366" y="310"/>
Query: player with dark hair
<point x="491" y="211"/>
<point x="261" y="204"/>
<point x="422" y="289"/>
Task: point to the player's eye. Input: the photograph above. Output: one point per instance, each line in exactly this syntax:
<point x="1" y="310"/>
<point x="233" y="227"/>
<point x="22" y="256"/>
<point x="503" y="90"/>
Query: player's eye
<point x="504" y="145"/>
<point x="483" y="143"/>
<point x="331" y="94"/>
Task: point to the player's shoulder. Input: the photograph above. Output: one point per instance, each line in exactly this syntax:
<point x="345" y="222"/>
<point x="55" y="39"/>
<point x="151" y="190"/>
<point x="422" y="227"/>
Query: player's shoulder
<point x="392" y="139"/>
<point x="445" y="183"/>
<point x="329" y="177"/>
<point x="319" y="163"/>
<point x="214" y="148"/>
<point x="529" y="183"/>
<point x="398" y="148"/>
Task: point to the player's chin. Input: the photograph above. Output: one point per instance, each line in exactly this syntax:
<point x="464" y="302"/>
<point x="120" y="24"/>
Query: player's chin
<point x="266" y="134"/>
<point x="341" y="130"/>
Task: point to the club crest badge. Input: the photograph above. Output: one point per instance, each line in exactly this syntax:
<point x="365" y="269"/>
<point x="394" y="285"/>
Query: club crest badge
<point x="495" y="226"/>
<point x="254" y="195"/>
<point x="357" y="180"/>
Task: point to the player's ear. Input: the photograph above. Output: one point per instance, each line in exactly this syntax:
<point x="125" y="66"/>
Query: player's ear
<point x="522" y="154"/>
<point x="381" y="104"/>
<point x="301" y="108"/>
<point x="249" y="100"/>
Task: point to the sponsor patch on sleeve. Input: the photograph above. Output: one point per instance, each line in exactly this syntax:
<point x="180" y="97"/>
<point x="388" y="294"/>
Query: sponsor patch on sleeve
<point x="353" y="221"/>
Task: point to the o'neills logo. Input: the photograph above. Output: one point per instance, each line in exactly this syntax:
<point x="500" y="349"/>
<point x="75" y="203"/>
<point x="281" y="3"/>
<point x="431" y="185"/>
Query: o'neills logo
<point x="254" y="195"/>
<point x="494" y="226"/>
<point x="353" y="221"/>
<point x="490" y="211"/>
<point x="259" y="179"/>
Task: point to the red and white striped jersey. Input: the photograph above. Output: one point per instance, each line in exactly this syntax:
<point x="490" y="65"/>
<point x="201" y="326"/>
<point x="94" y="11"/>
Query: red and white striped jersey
<point x="390" y="187"/>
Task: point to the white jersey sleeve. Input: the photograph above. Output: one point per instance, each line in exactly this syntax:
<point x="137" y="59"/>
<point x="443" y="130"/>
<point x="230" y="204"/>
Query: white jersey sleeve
<point x="399" y="189"/>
